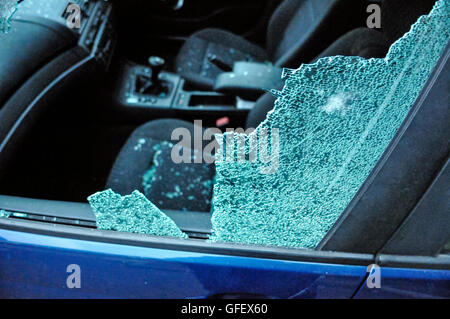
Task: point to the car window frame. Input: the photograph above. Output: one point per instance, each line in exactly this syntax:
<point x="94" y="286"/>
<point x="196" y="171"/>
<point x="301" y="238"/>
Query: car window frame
<point x="363" y="210"/>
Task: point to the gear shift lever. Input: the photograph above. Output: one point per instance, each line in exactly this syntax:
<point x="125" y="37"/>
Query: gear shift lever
<point x="153" y="86"/>
<point x="157" y="64"/>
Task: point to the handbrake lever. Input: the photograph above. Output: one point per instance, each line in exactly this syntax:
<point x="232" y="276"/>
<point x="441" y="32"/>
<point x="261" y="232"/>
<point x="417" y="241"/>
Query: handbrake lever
<point x="214" y="59"/>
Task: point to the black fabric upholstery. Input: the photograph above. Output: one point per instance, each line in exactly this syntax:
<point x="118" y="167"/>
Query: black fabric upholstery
<point x="362" y="42"/>
<point x="174" y="186"/>
<point x="397" y="16"/>
<point x="259" y="112"/>
<point x="301" y="29"/>
<point x="297" y="32"/>
<point x="193" y="60"/>
<point x="25" y="49"/>
<point x="135" y="159"/>
<point x="278" y="24"/>
<point x="127" y="173"/>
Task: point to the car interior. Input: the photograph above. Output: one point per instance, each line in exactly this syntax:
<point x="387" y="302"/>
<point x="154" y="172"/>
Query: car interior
<point x="74" y="103"/>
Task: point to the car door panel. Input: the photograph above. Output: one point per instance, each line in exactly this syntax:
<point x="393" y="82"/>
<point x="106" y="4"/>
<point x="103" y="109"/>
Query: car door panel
<point x="408" y="283"/>
<point x="35" y="266"/>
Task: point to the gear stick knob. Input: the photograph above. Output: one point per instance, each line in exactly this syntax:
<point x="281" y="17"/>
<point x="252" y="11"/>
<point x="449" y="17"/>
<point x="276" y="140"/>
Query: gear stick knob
<point x="157" y="64"/>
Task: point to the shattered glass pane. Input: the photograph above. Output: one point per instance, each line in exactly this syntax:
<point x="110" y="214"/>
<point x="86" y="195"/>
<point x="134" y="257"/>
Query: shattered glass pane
<point x="133" y="214"/>
<point x="186" y="187"/>
<point x="335" y="118"/>
<point x="7" y="10"/>
<point x="4" y="214"/>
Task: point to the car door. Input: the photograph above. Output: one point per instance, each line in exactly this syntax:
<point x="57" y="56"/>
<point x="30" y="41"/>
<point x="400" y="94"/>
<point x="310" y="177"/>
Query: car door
<point x="49" y="261"/>
<point x="415" y="262"/>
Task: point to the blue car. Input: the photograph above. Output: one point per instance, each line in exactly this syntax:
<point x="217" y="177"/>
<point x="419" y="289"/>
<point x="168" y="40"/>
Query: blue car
<point x="92" y="93"/>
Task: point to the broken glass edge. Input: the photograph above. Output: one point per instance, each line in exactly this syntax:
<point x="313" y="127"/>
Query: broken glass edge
<point x="4" y="213"/>
<point x="291" y="76"/>
<point x="7" y="10"/>
<point x="228" y="228"/>
<point x="133" y="214"/>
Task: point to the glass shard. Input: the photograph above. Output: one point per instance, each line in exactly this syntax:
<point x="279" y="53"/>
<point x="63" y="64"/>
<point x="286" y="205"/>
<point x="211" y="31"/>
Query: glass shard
<point x="336" y="118"/>
<point x="7" y="10"/>
<point x="132" y="214"/>
<point x="4" y="214"/>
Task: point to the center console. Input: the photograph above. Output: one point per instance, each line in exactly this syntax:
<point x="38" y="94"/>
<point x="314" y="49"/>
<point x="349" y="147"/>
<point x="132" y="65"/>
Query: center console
<point x="148" y="87"/>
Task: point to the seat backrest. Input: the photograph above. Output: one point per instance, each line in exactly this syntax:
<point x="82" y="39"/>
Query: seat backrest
<point x="362" y="42"/>
<point x="300" y="29"/>
<point x="397" y="16"/>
